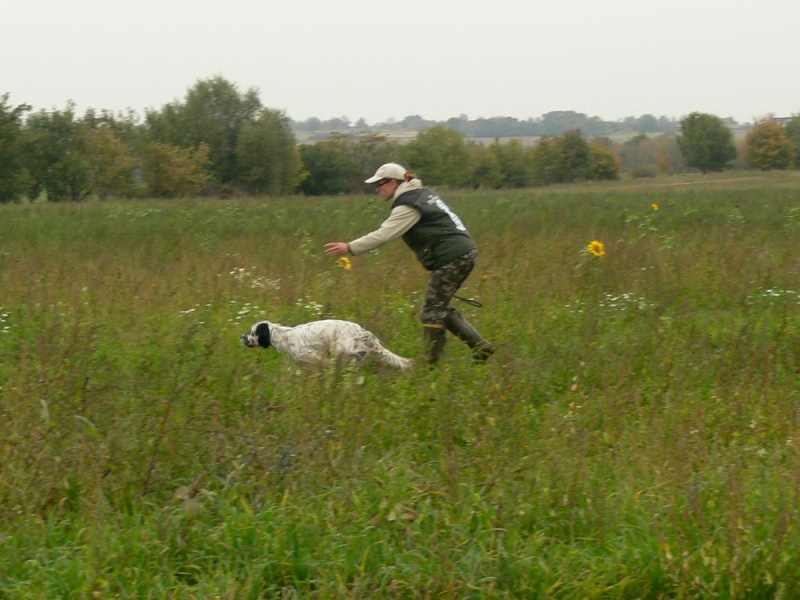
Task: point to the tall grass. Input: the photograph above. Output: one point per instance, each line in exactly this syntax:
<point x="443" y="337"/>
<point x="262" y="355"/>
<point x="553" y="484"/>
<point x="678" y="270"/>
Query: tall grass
<point x="635" y="435"/>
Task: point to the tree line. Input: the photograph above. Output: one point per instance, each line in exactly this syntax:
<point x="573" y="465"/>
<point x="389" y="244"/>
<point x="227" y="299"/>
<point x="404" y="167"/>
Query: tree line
<point x="551" y="123"/>
<point x="221" y="142"/>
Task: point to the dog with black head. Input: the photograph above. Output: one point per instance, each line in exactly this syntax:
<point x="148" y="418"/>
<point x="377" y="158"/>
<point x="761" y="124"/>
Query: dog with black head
<point x="319" y="342"/>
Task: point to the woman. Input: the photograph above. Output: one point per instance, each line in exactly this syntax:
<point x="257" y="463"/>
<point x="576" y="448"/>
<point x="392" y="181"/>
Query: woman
<point x="443" y="246"/>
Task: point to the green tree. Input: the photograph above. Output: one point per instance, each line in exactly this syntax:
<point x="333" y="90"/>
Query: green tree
<point x="341" y="163"/>
<point x="268" y="162"/>
<point x="560" y="121"/>
<point x="793" y="131"/>
<point x="369" y="150"/>
<point x="767" y="146"/>
<point x="574" y="156"/>
<point x="127" y="128"/>
<point x="639" y="156"/>
<point x="111" y="165"/>
<point x="647" y="124"/>
<point x="12" y="169"/>
<point x="440" y="156"/>
<point x="486" y="171"/>
<point x="212" y="113"/>
<point x="706" y="142"/>
<point x="603" y="163"/>
<point x="310" y="125"/>
<point x="174" y="172"/>
<point x="55" y="156"/>
<point x="329" y="167"/>
<point x="668" y="154"/>
<point x="545" y="161"/>
<point x="514" y="163"/>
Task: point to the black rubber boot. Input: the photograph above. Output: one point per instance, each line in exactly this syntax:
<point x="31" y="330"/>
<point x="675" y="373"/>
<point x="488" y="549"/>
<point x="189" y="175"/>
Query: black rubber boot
<point x="435" y="337"/>
<point x="459" y="327"/>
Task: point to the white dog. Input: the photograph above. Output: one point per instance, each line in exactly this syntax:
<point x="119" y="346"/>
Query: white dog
<point x="320" y="341"/>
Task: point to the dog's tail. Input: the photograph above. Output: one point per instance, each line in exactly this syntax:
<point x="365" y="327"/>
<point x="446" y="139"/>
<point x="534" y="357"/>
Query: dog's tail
<point x="388" y="357"/>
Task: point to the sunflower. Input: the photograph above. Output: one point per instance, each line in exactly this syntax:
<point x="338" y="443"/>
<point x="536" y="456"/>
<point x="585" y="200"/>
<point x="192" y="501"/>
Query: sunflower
<point x="344" y="263"/>
<point x="597" y="248"/>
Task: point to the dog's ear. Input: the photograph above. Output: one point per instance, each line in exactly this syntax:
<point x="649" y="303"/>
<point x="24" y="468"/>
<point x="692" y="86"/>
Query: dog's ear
<point x="262" y="335"/>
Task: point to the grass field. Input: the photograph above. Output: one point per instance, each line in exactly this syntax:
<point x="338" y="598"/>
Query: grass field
<point x="635" y="436"/>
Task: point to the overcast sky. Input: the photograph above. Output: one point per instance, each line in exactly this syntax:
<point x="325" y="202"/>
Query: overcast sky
<point x="433" y="58"/>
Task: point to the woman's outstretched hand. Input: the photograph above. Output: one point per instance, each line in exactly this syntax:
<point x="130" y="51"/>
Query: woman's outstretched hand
<point x="336" y="249"/>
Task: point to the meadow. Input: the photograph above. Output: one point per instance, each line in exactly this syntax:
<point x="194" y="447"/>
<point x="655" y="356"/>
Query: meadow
<point x="636" y="435"/>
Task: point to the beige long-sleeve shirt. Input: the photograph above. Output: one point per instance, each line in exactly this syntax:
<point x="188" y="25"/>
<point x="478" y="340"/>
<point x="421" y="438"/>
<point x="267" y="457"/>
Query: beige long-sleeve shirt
<point x="400" y="220"/>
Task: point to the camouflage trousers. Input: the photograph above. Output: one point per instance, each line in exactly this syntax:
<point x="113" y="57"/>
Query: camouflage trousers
<point x="443" y="285"/>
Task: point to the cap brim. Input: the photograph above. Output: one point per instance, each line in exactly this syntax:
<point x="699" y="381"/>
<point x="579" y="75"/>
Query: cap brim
<point x="373" y="179"/>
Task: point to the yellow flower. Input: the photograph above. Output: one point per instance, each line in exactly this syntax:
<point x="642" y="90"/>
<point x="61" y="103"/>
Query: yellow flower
<point x="655" y="206"/>
<point x="484" y="277"/>
<point x="597" y="248"/>
<point x="344" y="263"/>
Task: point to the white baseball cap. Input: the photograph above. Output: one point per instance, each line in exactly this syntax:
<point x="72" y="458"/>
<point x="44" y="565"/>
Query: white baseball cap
<point x="388" y="171"/>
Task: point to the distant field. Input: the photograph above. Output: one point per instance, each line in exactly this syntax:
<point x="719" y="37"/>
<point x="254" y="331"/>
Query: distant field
<point x="637" y="434"/>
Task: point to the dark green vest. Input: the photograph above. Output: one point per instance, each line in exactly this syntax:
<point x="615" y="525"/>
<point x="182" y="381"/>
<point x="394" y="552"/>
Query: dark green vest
<point x="439" y="236"/>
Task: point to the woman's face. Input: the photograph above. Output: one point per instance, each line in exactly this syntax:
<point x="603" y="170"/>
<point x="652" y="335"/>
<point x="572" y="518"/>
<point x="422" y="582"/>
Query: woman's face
<point x="386" y="188"/>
